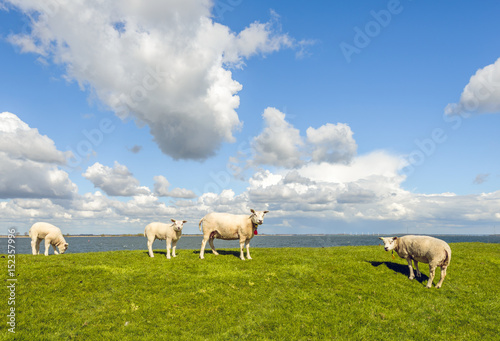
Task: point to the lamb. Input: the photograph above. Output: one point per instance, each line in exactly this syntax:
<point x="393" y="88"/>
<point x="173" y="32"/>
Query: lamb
<point x="170" y="232"/>
<point x="435" y="252"/>
<point x="52" y="235"/>
<point x="230" y="227"/>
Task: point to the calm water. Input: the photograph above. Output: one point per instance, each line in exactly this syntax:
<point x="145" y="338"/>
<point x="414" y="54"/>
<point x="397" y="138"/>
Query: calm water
<point x="97" y="244"/>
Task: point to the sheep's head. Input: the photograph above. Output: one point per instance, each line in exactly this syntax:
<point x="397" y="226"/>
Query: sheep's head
<point x="389" y="242"/>
<point x="62" y="247"/>
<point x="178" y="224"/>
<point x="257" y="217"/>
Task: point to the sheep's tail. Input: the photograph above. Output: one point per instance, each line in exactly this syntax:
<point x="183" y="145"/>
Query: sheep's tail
<point x="201" y="221"/>
<point x="448" y="257"/>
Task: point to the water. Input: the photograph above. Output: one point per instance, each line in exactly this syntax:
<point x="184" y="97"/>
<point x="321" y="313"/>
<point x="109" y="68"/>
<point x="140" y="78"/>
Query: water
<point x="98" y="244"/>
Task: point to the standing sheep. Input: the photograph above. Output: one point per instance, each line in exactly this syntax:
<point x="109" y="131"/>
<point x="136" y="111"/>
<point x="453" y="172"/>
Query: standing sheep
<point x="170" y="232"/>
<point x="52" y="235"/>
<point x="230" y="227"/>
<point x="433" y="251"/>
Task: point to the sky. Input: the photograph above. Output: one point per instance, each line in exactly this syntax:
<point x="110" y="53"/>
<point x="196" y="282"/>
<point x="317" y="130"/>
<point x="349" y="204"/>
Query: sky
<point x="337" y="117"/>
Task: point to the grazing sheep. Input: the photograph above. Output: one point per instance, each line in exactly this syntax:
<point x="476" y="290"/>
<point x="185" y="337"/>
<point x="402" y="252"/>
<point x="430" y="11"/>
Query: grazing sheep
<point x="230" y="227"/>
<point x="433" y="251"/>
<point x="170" y="232"/>
<point x="52" y="235"/>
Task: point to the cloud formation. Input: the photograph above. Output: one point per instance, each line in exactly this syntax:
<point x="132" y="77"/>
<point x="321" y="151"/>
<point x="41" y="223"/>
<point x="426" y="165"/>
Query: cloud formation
<point x="162" y="189"/>
<point x="281" y="145"/>
<point x="29" y="163"/>
<point x="332" y="143"/>
<point x="481" y="94"/>
<point x="20" y="141"/>
<point x="163" y="63"/>
<point x="481" y="178"/>
<point x="116" y="181"/>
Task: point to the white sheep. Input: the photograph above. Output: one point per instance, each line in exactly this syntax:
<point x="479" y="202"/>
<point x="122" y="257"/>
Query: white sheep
<point x="169" y="232"/>
<point x="230" y="227"/>
<point x="425" y="249"/>
<point x="52" y="235"/>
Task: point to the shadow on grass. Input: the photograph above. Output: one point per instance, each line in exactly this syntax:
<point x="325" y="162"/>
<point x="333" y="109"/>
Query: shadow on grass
<point x="160" y="253"/>
<point x="221" y="252"/>
<point x="400" y="268"/>
<point x="155" y="253"/>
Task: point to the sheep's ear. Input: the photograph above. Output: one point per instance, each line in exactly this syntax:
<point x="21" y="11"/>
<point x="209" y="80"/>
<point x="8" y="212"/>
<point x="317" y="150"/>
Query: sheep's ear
<point x="184" y="221"/>
<point x="66" y="244"/>
<point x="173" y="220"/>
<point x="252" y="210"/>
<point x="381" y="238"/>
<point x="266" y="212"/>
<point x="394" y="238"/>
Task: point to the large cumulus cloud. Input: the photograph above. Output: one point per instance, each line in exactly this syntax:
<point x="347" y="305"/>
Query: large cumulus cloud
<point x="165" y="64"/>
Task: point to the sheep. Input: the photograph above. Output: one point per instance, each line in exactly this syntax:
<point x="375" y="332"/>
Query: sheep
<point x="170" y="232"/>
<point x="52" y="235"/>
<point x="230" y="227"/>
<point x="435" y="252"/>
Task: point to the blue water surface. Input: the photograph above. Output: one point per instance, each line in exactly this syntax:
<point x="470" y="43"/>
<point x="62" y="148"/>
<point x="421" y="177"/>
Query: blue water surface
<point x="99" y="244"/>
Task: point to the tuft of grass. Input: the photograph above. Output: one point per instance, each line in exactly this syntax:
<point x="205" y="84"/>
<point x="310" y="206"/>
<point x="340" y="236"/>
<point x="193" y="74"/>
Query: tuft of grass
<point x="354" y="292"/>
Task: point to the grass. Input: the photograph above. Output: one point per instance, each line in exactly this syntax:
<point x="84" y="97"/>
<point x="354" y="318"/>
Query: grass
<point x="354" y="293"/>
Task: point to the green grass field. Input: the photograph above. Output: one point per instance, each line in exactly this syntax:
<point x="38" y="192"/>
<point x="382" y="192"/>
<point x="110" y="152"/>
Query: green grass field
<point x="346" y="293"/>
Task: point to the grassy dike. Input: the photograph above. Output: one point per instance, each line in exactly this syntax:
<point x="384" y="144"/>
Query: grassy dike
<point x="354" y="292"/>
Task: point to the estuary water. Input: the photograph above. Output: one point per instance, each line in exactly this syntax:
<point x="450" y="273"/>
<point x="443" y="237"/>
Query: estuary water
<point x="98" y="244"/>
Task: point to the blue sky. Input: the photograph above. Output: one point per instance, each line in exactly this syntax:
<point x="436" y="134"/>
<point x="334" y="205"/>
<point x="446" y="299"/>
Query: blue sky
<point x="367" y="116"/>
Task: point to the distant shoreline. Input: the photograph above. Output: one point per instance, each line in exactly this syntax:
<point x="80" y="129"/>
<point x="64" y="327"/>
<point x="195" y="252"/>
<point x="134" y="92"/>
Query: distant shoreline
<point x="262" y="235"/>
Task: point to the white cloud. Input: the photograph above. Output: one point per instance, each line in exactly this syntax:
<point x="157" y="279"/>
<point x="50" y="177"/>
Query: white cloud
<point x="362" y="167"/>
<point x="20" y="141"/>
<point x="116" y="181"/>
<point x="163" y="63"/>
<point x="258" y="38"/>
<point x="279" y="143"/>
<point x="143" y="207"/>
<point x="368" y="190"/>
<point x="21" y="178"/>
<point x="370" y="197"/>
<point x="481" y="94"/>
<point x="162" y="189"/>
<point x="332" y="143"/>
<point x="29" y="163"/>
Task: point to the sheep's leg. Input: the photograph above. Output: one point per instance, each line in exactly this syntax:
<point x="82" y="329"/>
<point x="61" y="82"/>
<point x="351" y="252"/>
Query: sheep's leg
<point x="34" y="246"/>
<point x="174" y="245"/>
<point x="169" y="243"/>
<point x="211" y="242"/>
<point x="38" y="241"/>
<point x="247" y="244"/>
<point x="432" y="271"/>
<point x="242" y="243"/>
<point x="443" y="275"/>
<point x="150" y="247"/>
<point x="55" y="249"/>
<point x="203" y="243"/>
<point x="412" y="275"/>
<point x="47" y="245"/>
<point x="416" y="267"/>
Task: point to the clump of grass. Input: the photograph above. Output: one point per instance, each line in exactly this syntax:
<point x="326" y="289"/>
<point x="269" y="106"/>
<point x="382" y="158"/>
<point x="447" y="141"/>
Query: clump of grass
<point x="351" y="293"/>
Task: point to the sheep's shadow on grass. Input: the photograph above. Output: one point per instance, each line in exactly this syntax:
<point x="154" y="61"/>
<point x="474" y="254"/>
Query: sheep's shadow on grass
<point x="220" y="252"/>
<point x="158" y="253"/>
<point x="401" y="269"/>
